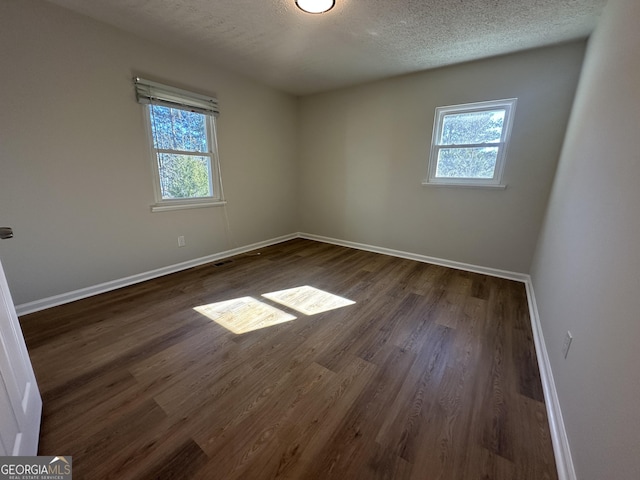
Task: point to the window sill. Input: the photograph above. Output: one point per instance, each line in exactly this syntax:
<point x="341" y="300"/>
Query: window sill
<point x="165" y="207"/>
<point x="466" y="185"/>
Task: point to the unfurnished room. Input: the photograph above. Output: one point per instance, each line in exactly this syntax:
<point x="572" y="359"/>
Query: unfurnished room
<point x="320" y="239"/>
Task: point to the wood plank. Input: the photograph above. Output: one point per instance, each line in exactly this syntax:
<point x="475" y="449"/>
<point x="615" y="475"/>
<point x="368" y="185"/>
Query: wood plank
<point x="431" y="373"/>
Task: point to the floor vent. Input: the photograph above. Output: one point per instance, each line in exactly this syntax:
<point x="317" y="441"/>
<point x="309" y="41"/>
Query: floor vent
<point x="223" y="262"/>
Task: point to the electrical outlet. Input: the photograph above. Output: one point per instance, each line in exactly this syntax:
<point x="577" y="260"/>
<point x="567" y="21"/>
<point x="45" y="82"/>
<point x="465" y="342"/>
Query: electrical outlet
<point x="568" y="338"/>
<point x="181" y="242"/>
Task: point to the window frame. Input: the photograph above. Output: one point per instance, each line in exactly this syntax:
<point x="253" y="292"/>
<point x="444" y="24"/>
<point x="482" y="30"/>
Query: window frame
<point x="215" y="181"/>
<point x="150" y="93"/>
<point x="509" y="106"/>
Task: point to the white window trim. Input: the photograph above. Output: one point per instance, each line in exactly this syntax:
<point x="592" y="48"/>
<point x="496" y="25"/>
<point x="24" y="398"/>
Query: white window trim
<point x="163" y="205"/>
<point x="496" y="182"/>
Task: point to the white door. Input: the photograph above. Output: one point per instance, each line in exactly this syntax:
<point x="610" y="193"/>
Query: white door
<point x="20" y="402"/>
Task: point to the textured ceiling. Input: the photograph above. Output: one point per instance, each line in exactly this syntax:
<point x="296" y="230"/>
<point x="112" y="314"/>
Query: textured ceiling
<point x="357" y="41"/>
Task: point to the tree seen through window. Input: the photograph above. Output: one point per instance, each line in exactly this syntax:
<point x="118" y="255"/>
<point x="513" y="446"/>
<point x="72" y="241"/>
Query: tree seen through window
<point x="181" y="143"/>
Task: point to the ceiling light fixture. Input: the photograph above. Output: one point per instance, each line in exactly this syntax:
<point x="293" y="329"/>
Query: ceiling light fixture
<point x="315" y="6"/>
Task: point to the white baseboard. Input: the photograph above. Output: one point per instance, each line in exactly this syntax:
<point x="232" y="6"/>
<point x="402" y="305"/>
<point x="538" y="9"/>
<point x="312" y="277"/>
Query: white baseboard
<point x="559" y="437"/>
<point x="493" y="272"/>
<point x="68" y="297"/>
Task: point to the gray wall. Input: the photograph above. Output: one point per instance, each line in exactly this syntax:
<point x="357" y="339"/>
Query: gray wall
<point x="75" y="169"/>
<point x="586" y="271"/>
<point x="76" y="175"/>
<point x="364" y="152"/>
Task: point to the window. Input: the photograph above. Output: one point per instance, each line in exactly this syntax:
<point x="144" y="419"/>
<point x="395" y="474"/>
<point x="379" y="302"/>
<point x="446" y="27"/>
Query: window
<point x="182" y="138"/>
<point x="469" y="143"/>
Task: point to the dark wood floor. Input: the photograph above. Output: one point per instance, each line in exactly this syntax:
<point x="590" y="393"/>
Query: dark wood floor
<point x="431" y="374"/>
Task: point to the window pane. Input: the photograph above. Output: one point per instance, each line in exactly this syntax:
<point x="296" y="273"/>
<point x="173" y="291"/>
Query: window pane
<point x="477" y="162"/>
<point x="175" y="129"/>
<point x="472" y="127"/>
<point x="184" y="176"/>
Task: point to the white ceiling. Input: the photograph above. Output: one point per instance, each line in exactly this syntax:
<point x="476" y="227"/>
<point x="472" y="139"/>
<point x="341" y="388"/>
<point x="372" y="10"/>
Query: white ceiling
<point x="357" y="41"/>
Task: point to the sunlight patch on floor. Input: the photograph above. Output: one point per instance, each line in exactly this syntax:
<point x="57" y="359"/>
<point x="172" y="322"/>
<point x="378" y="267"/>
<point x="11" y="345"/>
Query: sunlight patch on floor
<point x="308" y="300"/>
<point x="242" y="315"/>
